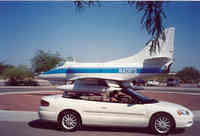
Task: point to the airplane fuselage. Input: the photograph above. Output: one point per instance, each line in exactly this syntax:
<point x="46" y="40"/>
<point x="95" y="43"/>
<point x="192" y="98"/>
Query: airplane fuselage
<point x="107" y="71"/>
<point x="139" y="65"/>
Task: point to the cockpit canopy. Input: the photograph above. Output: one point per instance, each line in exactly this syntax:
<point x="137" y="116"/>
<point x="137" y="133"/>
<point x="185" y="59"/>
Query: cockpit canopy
<point x="60" y="64"/>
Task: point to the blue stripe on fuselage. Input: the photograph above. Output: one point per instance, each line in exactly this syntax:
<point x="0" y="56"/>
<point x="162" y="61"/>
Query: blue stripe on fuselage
<point x="122" y="70"/>
<point x="56" y="71"/>
<point x="92" y="70"/>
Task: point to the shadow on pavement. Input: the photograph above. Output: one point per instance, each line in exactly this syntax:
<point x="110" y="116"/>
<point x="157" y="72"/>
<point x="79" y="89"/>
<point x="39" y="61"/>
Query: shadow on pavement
<point x="54" y="126"/>
<point x="43" y="125"/>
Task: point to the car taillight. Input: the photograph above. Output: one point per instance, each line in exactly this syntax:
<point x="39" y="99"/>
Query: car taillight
<point x="44" y="103"/>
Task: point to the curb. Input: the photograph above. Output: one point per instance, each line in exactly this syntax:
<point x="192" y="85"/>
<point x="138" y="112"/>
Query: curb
<point x="18" y="87"/>
<point x="167" y="92"/>
<point x="18" y="116"/>
<point x="188" y="89"/>
<point x="196" y="115"/>
<point x="31" y="92"/>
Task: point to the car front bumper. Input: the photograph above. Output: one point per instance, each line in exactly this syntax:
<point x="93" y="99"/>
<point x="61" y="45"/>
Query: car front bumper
<point x="184" y="121"/>
<point x="47" y="115"/>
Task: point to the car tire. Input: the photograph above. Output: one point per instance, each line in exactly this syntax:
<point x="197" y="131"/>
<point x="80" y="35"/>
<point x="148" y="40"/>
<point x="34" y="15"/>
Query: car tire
<point x="162" y="123"/>
<point x="69" y="121"/>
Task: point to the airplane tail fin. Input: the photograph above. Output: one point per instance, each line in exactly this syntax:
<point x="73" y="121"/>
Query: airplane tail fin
<point x="164" y="53"/>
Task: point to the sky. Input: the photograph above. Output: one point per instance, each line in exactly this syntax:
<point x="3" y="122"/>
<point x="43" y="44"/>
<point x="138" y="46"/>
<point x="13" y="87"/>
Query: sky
<point x="95" y="34"/>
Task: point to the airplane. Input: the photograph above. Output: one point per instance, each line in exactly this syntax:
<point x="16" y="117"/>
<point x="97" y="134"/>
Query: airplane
<point x="140" y="65"/>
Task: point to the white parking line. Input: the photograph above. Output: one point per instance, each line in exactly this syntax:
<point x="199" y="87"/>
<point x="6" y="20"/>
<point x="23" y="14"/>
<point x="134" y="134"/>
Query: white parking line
<point x="18" y="116"/>
<point x="30" y="92"/>
<point x="196" y="115"/>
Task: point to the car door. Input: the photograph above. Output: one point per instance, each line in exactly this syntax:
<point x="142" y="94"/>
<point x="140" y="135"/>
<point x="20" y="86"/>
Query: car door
<point x="101" y="112"/>
<point x="114" y="114"/>
<point x="122" y="114"/>
<point x="95" y="113"/>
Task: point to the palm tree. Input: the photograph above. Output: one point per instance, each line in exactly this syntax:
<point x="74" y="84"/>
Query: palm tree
<point x="152" y="19"/>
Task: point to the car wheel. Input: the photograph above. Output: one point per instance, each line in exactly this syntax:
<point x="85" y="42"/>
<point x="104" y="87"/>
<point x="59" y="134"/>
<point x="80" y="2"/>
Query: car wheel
<point x="69" y="121"/>
<point x="162" y="123"/>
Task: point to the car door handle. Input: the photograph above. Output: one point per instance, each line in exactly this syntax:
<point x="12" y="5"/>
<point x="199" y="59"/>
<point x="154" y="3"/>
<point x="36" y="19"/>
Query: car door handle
<point x="103" y="107"/>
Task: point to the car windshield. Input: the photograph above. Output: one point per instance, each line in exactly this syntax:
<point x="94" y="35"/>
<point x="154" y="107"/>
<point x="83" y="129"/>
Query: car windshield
<point x="144" y="98"/>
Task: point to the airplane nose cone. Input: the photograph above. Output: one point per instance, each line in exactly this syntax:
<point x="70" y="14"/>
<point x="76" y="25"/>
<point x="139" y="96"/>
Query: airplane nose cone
<point x="54" y="74"/>
<point x="45" y="76"/>
<point x="41" y="76"/>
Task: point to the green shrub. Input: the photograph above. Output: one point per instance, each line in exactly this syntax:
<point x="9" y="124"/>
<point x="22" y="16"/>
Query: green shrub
<point x="18" y="75"/>
<point x="44" y="61"/>
<point x="189" y="75"/>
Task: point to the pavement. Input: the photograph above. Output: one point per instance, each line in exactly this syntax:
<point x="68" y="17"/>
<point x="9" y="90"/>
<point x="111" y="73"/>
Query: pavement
<point x="38" y="128"/>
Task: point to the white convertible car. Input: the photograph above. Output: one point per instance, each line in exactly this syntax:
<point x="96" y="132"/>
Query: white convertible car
<point x="118" y="108"/>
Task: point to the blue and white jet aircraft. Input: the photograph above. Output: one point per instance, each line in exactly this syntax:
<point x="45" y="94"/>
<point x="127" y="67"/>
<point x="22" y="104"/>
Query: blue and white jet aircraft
<point x="141" y="65"/>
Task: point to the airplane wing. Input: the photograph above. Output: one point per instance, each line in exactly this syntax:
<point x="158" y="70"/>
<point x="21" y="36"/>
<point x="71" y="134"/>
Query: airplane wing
<point x="97" y="85"/>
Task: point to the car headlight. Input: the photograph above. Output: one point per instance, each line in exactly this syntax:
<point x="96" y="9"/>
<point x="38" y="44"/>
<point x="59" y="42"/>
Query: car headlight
<point x="183" y="112"/>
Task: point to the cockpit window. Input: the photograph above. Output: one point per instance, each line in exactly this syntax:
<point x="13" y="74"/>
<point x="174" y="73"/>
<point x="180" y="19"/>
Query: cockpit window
<point x="60" y="64"/>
